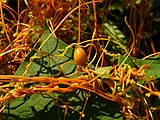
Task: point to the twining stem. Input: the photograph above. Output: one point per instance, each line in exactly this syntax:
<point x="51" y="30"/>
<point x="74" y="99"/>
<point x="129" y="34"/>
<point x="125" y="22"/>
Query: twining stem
<point x="95" y="27"/>
<point x="79" y="22"/>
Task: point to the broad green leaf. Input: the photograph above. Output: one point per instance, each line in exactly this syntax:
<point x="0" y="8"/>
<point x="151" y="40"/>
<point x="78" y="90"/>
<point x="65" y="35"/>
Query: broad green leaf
<point x="46" y="61"/>
<point x="33" y="107"/>
<point x="154" y="64"/>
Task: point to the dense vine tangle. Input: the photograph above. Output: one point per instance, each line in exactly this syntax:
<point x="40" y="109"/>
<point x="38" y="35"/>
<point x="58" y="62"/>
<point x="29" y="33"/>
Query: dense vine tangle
<point x="121" y="81"/>
<point x="127" y="79"/>
<point x="17" y="43"/>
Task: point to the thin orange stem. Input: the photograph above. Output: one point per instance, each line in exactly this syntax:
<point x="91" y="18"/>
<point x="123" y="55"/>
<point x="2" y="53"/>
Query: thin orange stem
<point x="95" y="27"/>
<point x="79" y="22"/>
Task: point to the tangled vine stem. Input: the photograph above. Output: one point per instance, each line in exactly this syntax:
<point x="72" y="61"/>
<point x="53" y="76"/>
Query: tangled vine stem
<point x="121" y="81"/>
<point x="73" y="84"/>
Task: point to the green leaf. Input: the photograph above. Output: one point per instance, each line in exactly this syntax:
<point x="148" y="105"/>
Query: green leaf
<point x="46" y="62"/>
<point x="124" y="60"/>
<point x="101" y="109"/>
<point x="154" y="64"/>
<point x="113" y="31"/>
<point x="33" y="107"/>
<point x="103" y="71"/>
